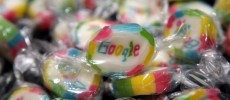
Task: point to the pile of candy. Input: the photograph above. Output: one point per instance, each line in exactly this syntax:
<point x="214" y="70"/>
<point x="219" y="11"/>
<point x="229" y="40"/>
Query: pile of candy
<point x="114" y="49"/>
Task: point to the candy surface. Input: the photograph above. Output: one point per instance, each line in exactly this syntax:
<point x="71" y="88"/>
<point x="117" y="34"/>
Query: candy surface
<point x="121" y="50"/>
<point x="70" y="78"/>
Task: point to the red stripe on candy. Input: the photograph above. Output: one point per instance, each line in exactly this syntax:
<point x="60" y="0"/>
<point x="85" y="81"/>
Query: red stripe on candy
<point x="135" y="70"/>
<point x="170" y="21"/>
<point x="162" y="80"/>
<point x="18" y="47"/>
<point x="103" y="34"/>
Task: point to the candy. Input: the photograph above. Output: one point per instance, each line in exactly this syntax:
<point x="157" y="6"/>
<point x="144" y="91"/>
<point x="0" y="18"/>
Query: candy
<point x="67" y="77"/>
<point x="223" y="10"/>
<point x="84" y="31"/>
<point x="200" y="94"/>
<point x="121" y="50"/>
<point x="200" y="31"/>
<point x="14" y="9"/>
<point x="157" y="82"/>
<point x="38" y="12"/>
<point x="27" y="93"/>
<point x="11" y="39"/>
<point x="143" y="12"/>
<point x="63" y="6"/>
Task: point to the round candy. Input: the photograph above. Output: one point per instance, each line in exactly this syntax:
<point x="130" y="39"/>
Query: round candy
<point x="157" y="82"/>
<point x="11" y="41"/>
<point x="200" y="32"/>
<point x="121" y="50"/>
<point x="84" y="31"/>
<point x="144" y="12"/>
<point x="28" y="93"/>
<point x="67" y="77"/>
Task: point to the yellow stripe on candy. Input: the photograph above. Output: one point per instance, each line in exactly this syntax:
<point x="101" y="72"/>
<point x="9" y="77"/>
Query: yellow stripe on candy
<point x="197" y="95"/>
<point x="224" y="5"/>
<point x="149" y="55"/>
<point x="167" y="32"/>
<point x="96" y="79"/>
<point x="45" y="77"/>
<point x="143" y="84"/>
<point x="208" y="27"/>
<point x="92" y="47"/>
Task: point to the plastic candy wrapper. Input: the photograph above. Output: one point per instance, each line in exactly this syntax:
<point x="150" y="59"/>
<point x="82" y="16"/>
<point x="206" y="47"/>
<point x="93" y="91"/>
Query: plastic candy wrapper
<point x="26" y="91"/>
<point x="6" y="82"/>
<point x="143" y="12"/>
<point x="201" y="34"/>
<point x="86" y="30"/>
<point x="27" y="66"/>
<point x="121" y="50"/>
<point x="197" y="94"/>
<point x="223" y="11"/>
<point x="211" y="71"/>
<point x="156" y="82"/>
<point x="13" y="10"/>
<point x="11" y="39"/>
<point x="71" y="77"/>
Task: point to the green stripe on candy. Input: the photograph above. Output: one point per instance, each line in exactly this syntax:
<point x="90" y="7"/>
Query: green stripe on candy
<point x="90" y="61"/>
<point x="7" y="30"/>
<point x="123" y="88"/>
<point x="196" y="13"/>
<point x="57" y="89"/>
<point x="148" y="36"/>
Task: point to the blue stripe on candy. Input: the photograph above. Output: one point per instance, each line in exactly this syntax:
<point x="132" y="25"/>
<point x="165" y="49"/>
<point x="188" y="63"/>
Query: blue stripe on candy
<point x="69" y="95"/>
<point x="127" y="28"/>
<point x="15" y="40"/>
<point x="115" y="74"/>
<point x="179" y="14"/>
<point x="73" y="52"/>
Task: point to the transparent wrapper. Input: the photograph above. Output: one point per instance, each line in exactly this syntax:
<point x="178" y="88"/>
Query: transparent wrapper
<point x="71" y="76"/>
<point x="158" y="81"/>
<point x="7" y="80"/>
<point x="211" y="70"/>
<point x="201" y="35"/>
<point x="195" y="94"/>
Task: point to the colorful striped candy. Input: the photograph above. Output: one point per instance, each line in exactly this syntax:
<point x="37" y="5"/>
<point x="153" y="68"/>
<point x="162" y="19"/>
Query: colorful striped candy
<point x="68" y="77"/>
<point x="27" y="93"/>
<point x="156" y="82"/>
<point x="11" y="41"/>
<point x="121" y="50"/>
<point x="199" y="94"/>
<point x="201" y="34"/>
